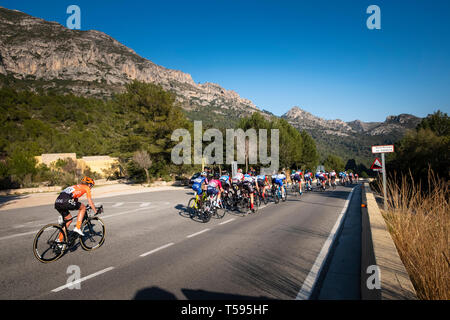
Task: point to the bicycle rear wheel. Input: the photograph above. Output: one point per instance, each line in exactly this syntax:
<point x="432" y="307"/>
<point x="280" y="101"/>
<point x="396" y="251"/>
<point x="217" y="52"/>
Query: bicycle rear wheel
<point x="276" y="199"/>
<point x="266" y="197"/>
<point x="220" y="212"/>
<point x="284" y="195"/>
<point x="207" y="211"/>
<point x="94" y="233"/>
<point x="192" y="207"/>
<point x="45" y="246"/>
<point x="256" y="201"/>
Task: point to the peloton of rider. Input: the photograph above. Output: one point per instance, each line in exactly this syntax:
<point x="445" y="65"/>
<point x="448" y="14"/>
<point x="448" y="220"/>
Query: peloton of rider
<point x="215" y="188"/>
<point x="308" y="180"/>
<point x="263" y="184"/>
<point x="200" y="184"/>
<point x="298" y="175"/>
<point x="279" y="180"/>
<point x="248" y="184"/>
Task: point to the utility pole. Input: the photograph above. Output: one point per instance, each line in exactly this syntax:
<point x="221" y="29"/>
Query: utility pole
<point x="384" y="181"/>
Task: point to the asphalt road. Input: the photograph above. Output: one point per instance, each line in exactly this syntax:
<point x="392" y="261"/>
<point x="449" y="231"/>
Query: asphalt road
<point x="153" y="250"/>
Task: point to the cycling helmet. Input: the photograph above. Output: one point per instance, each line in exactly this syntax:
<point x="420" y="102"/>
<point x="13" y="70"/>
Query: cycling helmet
<point x="203" y="174"/>
<point x="216" y="175"/>
<point x="88" y="181"/>
<point x="239" y="170"/>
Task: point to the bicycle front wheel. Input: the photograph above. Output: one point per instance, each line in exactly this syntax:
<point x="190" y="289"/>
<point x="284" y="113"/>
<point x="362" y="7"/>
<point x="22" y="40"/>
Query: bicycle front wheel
<point x="94" y="234"/>
<point x="207" y="211"/>
<point x="46" y="248"/>
<point x="192" y="207"/>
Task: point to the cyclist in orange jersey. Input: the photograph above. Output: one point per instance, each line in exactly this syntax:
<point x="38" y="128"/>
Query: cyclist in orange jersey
<point x="68" y="200"/>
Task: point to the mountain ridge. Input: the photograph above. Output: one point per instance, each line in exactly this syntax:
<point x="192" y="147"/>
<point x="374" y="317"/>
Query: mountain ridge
<point x="35" y="49"/>
<point x="36" y="54"/>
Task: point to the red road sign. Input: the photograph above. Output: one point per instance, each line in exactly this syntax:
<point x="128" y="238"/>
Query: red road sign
<point x="376" y="165"/>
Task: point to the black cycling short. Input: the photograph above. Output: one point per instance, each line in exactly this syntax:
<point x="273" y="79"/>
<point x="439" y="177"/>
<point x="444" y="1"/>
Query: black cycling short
<point x="64" y="203"/>
<point x="261" y="183"/>
<point x="248" y="186"/>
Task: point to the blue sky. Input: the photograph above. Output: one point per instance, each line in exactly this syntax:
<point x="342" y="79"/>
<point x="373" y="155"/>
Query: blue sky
<point x="318" y="55"/>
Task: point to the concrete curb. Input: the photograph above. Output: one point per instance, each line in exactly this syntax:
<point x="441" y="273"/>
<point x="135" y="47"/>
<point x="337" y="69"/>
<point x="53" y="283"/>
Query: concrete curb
<point x="378" y="250"/>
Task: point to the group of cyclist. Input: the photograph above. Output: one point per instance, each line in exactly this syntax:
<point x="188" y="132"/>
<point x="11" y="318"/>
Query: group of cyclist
<point x="214" y="183"/>
<point x="329" y="178"/>
<point x="250" y="183"/>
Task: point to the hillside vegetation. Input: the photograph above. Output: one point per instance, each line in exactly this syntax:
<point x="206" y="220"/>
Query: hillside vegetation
<point x="142" y="119"/>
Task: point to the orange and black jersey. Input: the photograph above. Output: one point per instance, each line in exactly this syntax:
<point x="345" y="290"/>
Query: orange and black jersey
<point x="78" y="191"/>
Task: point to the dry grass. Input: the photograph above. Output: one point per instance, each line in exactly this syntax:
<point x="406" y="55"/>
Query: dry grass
<point x="419" y="223"/>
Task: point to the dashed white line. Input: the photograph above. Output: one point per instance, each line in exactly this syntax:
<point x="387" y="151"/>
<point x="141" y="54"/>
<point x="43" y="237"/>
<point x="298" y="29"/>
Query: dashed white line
<point x="197" y="233"/>
<point x="145" y="204"/>
<point x="157" y="249"/>
<point x="18" y="235"/>
<point x="125" y="212"/>
<point x="118" y="204"/>
<point x="82" y="279"/>
<point x="227" y="221"/>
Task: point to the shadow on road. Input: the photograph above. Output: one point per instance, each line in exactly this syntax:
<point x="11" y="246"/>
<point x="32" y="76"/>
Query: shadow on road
<point x="210" y="295"/>
<point x="156" y="293"/>
<point x="4" y="200"/>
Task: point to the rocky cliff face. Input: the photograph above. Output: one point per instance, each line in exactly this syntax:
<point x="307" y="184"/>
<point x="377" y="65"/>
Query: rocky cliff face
<point x="350" y="139"/>
<point x="93" y="63"/>
<point x="305" y="120"/>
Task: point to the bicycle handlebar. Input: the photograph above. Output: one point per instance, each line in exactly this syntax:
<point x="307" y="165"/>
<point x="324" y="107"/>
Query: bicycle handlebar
<point x="99" y="209"/>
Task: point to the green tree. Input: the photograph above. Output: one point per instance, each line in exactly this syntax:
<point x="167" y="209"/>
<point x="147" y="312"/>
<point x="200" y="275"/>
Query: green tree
<point x="438" y="122"/>
<point x="333" y="162"/>
<point x="426" y="147"/>
<point x="21" y="167"/>
<point x="310" y="155"/>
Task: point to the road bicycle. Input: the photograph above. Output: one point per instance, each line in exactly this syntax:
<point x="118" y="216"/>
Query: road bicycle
<point x="47" y="247"/>
<point x="245" y="201"/>
<point x="263" y="199"/>
<point x="308" y="186"/>
<point x="295" y="188"/>
<point x="209" y="209"/>
<point x="323" y="185"/>
<point x="333" y="184"/>
<point x="227" y="198"/>
<point x="195" y="204"/>
<point x="279" y="193"/>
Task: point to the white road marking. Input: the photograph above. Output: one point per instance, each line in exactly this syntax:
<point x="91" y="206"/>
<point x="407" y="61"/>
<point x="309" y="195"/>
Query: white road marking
<point x="18" y="235"/>
<point x="227" y="221"/>
<point x="73" y="221"/>
<point x="82" y="279"/>
<point x="118" y="204"/>
<point x="197" y="233"/>
<point x="125" y="212"/>
<point x="157" y="249"/>
<point x="145" y="204"/>
<point x="311" y="280"/>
